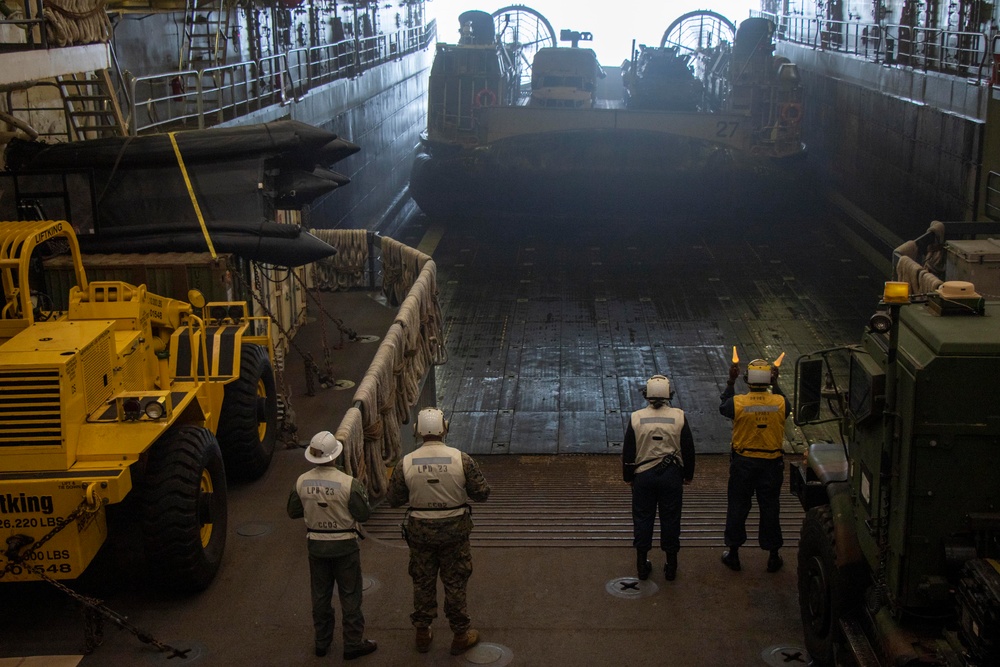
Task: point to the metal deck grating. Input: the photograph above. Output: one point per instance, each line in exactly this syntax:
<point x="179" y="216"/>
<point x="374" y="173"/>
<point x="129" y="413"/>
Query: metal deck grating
<point x="580" y="501"/>
<point x="548" y="328"/>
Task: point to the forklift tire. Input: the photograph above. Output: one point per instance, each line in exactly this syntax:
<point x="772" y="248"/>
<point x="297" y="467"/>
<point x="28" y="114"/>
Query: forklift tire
<point x="826" y="591"/>
<point x="183" y="507"/>
<point x="248" y="424"/>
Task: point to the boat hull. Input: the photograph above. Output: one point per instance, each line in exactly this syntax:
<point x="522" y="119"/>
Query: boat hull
<point x="593" y="172"/>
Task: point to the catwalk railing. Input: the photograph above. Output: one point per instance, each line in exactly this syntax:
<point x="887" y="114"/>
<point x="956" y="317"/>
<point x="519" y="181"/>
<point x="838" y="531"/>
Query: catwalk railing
<point x="960" y="53"/>
<point x="196" y="99"/>
<point x="371" y="430"/>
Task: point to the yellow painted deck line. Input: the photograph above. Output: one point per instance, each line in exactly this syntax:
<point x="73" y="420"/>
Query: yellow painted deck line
<point x="431" y="238"/>
<point x="42" y="661"/>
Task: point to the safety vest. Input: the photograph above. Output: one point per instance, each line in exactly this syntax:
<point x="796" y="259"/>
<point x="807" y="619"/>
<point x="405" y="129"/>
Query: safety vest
<point x="758" y="424"/>
<point x="657" y="435"/>
<point x="325" y="492"/>
<point x="435" y="478"/>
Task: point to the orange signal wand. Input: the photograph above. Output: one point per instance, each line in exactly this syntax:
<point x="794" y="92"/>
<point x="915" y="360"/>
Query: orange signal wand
<point x="777" y="362"/>
<point x="736" y="359"/>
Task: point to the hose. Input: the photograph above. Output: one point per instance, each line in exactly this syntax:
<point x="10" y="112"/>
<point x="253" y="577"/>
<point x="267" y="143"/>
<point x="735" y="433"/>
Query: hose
<point x="29" y="132"/>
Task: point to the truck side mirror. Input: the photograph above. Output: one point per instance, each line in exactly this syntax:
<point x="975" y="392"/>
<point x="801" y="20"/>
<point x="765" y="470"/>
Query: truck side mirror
<point x="808" y="390"/>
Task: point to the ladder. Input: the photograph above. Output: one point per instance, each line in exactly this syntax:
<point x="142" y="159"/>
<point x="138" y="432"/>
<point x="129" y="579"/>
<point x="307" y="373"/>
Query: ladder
<point x="91" y="107"/>
<point x="206" y="34"/>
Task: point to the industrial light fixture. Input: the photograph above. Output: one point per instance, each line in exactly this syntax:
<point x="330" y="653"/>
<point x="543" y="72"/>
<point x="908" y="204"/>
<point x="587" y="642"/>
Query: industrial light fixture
<point x="132" y="408"/>
<point x="880" y="323"/>
<point x="155" y="409"/>
<point x="896" y="292"/>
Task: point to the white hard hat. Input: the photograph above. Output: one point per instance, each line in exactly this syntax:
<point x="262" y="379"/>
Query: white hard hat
<point x="431" y="421"/>
<point x="323" y="448"/>
<point x="657" y="386"/>
<point x="758" y="372"/>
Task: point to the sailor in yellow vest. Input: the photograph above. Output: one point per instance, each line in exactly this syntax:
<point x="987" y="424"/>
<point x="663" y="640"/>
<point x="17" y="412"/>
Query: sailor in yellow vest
<point x="657" y="460"/>
<point x="438" y="481"/>
<point x="756" y="465"/>
<point x="332" y="503"/>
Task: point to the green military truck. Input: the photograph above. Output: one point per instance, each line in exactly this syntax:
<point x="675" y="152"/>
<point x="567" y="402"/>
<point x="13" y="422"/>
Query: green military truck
<point x="897" y="558"/>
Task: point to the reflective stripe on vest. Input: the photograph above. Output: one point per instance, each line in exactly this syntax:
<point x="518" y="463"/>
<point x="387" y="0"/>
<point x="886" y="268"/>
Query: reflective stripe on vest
<point x="435" y="477"/>
<point x="657" y="435"/>
<point x="325" y="493"/>
<point x="758" y="424"/>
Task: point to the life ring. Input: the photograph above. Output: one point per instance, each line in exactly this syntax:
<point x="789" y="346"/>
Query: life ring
<point x="791" y="113"/>
<point x="485" y="98"/>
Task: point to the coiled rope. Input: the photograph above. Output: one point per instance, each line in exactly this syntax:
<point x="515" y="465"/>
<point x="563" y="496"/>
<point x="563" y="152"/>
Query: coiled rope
<point x="346" y="269"/>
<point x="76" y="22"/>
<point x="371" y="430"/>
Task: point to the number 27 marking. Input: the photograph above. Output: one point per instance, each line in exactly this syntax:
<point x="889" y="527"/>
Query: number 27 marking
<point x="726" y="130"/>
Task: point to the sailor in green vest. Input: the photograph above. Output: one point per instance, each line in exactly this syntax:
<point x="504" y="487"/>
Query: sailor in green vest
<point x="438" y="482"/>
<point x="657" y="461"/>
<point x="332" y="504"/>
<point x="756" y="465"/>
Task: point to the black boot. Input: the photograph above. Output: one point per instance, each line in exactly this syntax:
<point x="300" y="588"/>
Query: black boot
<point x="774" y="561"/>
<point x="731" y="559"/>
<point x="642" y="566"/>
<point x="670" y="569"/>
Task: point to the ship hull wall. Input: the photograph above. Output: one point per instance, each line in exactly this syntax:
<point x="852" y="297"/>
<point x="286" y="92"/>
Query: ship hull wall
<point x="904" y="146"/>
<point x="383" y="111"/>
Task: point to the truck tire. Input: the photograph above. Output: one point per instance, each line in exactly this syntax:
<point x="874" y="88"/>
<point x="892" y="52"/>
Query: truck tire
<point x="183" y="506"/>
<point x="248" y="424"/>
<point x="826" y="591"/>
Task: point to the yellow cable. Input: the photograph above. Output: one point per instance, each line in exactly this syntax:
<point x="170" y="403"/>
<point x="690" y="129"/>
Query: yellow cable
<point x="194" y="200"/>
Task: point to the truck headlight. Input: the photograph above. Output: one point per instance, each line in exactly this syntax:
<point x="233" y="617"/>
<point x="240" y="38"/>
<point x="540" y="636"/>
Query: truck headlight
<point x="880" y="323"/>
<point x="132" y="409"/>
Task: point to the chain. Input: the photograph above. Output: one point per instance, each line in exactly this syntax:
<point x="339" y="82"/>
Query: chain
<point x="95" y="610"/>
<point x="343" y="328"/>
<point x="16" y="557"/>
<point x="93" y="630"/>
<point x="279" y="370"/>
<point x="351" y="334"/>
<point x="312" y="369"/>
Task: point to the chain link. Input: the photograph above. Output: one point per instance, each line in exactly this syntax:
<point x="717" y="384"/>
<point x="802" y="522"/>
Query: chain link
<point x="313" y="371"/>
<point x="16" y="557"/>
<point x="351" y="334"/>
<point x="255" y="293"/>
<point x="343" y="328"/>
<point x="95" y="610"/>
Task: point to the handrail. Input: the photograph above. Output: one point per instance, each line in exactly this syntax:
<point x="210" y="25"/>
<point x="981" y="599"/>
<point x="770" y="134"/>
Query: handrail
<point x="371" y="429"/>
<point x="956" y="52"/>
<point x="32" y="25"/>
<point x="207" y="97"/>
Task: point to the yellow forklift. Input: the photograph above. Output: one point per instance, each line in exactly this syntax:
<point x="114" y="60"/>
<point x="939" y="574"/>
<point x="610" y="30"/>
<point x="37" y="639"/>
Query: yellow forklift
<point x="127" y="404"/>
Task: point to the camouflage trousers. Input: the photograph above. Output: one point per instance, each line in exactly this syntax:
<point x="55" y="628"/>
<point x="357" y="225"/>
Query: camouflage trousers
<point x="454" y="564"/>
